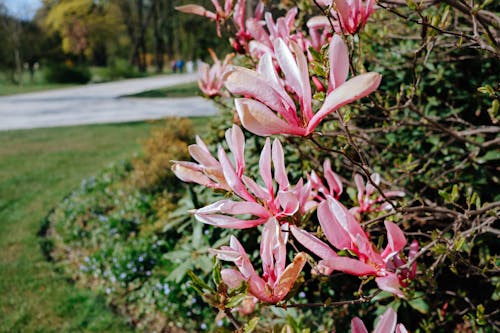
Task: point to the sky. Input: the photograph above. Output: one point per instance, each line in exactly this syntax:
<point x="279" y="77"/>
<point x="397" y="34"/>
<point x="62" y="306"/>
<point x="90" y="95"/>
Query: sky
<point x="24" y="9"/>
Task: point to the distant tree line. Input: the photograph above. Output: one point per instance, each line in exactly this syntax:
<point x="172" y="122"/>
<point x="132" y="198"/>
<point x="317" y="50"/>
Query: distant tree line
<point x="144" y="33"/>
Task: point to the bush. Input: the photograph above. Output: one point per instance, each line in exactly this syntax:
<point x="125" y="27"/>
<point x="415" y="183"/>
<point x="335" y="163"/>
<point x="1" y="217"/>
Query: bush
<point x="152" y="170"/>
<point x="62" y="73"/>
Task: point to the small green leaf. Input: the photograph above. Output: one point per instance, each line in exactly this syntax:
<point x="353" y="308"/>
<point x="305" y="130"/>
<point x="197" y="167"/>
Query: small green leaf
<point x="420" y="305"/>
<point x="454" y="193"/>
<point x="199" y="283"/>
<point x="251" y="325"/>
<point x="234" y="301"/>
<point x="216" y="272"/>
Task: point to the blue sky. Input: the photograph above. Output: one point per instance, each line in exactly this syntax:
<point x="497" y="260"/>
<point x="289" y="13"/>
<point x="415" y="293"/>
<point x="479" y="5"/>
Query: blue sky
<point x="22" y="8"/>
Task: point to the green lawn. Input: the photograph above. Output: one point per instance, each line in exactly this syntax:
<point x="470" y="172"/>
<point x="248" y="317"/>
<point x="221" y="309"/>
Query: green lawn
<point x="37" y="83"/>
<point x="37" y="169"/>
<point x="181" y="90"/>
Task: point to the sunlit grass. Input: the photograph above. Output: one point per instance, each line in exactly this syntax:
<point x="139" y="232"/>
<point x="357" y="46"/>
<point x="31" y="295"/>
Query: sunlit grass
<point x="37" y="169"/>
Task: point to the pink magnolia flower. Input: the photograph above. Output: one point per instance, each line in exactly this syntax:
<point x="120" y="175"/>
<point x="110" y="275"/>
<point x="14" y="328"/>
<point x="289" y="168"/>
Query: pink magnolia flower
<point x="387" y="323"/>
<point x="243" y="36"/>
<point x="334" y="184"/>
<point x="368" y="200"/>
<point x="277" y="278"/>
<point x="320" y="30"/>
<point x="345" y="233"/>
<point x="210" y="78"/>
<point x="281" y="202"/>
<point x="220" y="14"/>
<point x="263" y="41"/>
<point x="269" y="109"/>
<point x="350" y="15"/>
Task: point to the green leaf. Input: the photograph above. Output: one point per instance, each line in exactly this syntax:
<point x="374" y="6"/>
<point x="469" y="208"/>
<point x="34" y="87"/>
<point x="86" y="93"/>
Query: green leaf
<point x="216" y="272"/>
<point x="179" y="272"/>
<point x="454" y="193"/>
<point x="199" y="283"/>
<point x="420" y="305"/>
<point x="234" y="301"/>
<point x="251" y="325"/>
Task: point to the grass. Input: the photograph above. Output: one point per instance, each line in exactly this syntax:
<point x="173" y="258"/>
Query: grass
<point x="29" y="85"/>
<point x="181" y="90"/>
<point x="37" y="169"/>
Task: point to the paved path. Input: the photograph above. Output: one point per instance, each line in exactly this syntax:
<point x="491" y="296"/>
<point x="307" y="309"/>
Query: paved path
<point x="99" y="103"/>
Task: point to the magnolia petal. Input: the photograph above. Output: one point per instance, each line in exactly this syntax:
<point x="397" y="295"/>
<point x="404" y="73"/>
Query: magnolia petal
<point x="279" y="165"/>
<point x="395" y="237"/>
<point x="288" y="202"/>
<point x="312" y="243"/>
<point x="333" y="180"/>
<point x="203" y="157"/>
<point x="357" y="326"/>
<point x="260" y="120"/>
<point x="234" y="208"/>
<point x="232" y="277"/>
<point x="338" y="57"/>
<point x="243" y="81"/>
<point x="197" y="10"/>
<point x="236" y="142"/>
<point x="232" y="178"/>
<point x="224" y="221"/>
<point x="387" y="322"/>
<point x="190" y="175"/>
<point x="350" y="266"/>
<point x="400" y="328"/>
<point x="334" y="232"/>
<point x="305" y="96"/>
<point x="354" y="89"/>
<point x="267" y="245"/>
<point x="390" y="283"/>
<point x="265" y="166"/>
<point x="289" y="276"/>
<point x="256" y="189"/>
<point x="318" y="22"/>
<point x="268" y="71"/>
<point x="288" y="65"/>
<point x="343" y="10"/>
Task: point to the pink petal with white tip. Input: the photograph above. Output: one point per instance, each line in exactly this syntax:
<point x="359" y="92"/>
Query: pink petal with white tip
<point x="354" y="89"/>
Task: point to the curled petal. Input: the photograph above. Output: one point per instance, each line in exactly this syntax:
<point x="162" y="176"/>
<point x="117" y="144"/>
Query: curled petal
<point x="289" y="276"/>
